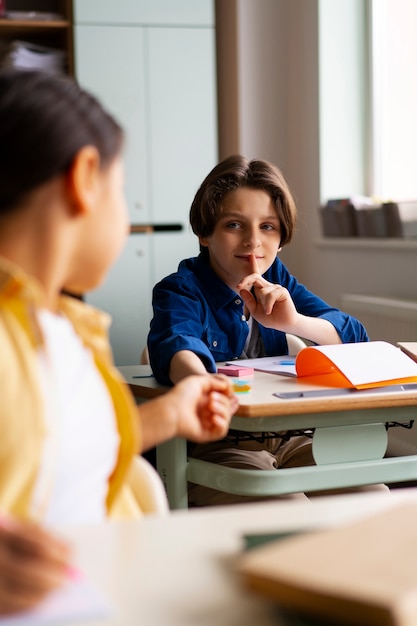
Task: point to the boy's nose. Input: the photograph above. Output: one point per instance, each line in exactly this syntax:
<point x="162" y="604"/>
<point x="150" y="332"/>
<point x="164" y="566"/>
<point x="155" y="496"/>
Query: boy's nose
<point x="251" y="240"/>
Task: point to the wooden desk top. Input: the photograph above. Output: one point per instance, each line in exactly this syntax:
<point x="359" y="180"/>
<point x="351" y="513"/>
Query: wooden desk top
<point x="409" y="347"/>
<point x="260" y="401"/>
<point x="180" y="569"/>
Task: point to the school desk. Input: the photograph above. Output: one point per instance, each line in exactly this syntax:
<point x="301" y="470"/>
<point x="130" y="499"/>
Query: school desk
<point x="179" y="570"/>
<point x="409" y="347"/>
<point x="349" y="435"/>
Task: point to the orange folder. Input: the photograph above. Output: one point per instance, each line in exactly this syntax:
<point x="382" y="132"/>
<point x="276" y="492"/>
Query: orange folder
<point x="356" y="365"/>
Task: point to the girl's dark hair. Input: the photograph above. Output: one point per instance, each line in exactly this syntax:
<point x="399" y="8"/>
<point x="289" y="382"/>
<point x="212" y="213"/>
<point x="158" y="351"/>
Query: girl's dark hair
<point x="44" y="121"/>
<point x="233" y="173"/>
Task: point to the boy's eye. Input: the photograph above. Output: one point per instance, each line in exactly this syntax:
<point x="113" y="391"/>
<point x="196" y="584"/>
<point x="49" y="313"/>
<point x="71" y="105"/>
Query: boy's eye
<point x="239" y="225"/>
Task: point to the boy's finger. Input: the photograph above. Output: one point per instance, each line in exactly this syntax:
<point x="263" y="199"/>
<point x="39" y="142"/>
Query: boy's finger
<point x="254" y="264"/>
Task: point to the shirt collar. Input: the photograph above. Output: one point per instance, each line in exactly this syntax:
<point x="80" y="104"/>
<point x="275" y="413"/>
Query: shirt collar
<point x="15" y="283"/>
<point x="91" y="324"/>
<point x="216" y="291"/>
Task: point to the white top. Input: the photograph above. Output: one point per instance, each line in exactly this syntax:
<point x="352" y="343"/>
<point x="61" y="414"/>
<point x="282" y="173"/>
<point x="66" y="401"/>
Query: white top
<point x="81" y="447"/>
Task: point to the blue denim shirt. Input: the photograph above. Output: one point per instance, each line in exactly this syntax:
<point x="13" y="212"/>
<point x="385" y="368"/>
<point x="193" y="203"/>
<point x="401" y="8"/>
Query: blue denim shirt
<point x="195" y="310"/>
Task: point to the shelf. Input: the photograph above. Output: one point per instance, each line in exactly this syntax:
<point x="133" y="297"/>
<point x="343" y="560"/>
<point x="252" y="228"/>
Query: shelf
<point x="46" y="23"/>
<point x="367" y="243"/>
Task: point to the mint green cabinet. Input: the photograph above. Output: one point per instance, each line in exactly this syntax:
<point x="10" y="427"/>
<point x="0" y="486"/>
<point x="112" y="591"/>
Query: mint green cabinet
<point x="124" y="296"/>
<point x="109" y="61"/>
<point x="152" y="63"/>
<point x="150" y="12"/>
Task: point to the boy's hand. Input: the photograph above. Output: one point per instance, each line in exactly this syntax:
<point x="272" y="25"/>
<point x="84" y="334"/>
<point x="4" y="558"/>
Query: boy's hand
<point x="272" y="305"/>
<point x="32" y="563"/>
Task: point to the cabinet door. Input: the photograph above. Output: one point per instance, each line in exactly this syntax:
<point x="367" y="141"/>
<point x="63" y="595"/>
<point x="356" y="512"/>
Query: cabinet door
<point x="110" y="64"/>
<point x="160" y="84"/>
<point x="181" y="12"/>
<point x="182" y="134"/>
<point x="183" y="119"/>
<point x="168" y="249"/>
<point x="126" y="295"/>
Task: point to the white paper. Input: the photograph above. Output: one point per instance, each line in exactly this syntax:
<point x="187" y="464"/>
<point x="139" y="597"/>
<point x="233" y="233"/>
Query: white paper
<point x="284" y="365"/>
<point x="77" y="600"/>
<point x="362" y="363"/>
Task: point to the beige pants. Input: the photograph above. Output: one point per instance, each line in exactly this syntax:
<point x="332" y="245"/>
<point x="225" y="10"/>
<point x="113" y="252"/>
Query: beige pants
<point x="273" y="453"/>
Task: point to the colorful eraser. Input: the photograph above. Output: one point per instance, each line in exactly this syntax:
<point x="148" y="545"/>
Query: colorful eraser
<point x="231" y="370"/>
<point x="241" y="386"/>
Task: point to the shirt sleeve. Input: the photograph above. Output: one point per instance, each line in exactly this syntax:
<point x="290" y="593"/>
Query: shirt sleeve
<point x="177" y="324"/>
<point x="349" y="329"/>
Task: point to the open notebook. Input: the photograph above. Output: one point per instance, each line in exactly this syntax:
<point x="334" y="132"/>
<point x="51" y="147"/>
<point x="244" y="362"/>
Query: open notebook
<point x="361" y="574"/>
<point x="350" y="365"/>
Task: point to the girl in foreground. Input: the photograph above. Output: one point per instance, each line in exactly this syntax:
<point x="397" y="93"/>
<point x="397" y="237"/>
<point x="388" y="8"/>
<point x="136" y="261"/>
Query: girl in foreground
<point x="70" y="428"/>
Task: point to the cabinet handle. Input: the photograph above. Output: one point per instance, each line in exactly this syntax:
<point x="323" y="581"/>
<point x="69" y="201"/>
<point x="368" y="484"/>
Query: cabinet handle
<point x="141" y="228"/>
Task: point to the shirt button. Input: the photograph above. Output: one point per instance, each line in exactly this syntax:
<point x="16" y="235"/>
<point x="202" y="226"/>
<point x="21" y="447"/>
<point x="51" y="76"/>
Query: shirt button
<point x="214" y="344"/>
<point x="243" y="318"/>
<point x="238" y="301"/>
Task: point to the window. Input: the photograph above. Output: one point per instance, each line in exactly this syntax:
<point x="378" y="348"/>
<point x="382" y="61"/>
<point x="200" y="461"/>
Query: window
<point x="393" y="56"/>
<point x="368" y="98"/>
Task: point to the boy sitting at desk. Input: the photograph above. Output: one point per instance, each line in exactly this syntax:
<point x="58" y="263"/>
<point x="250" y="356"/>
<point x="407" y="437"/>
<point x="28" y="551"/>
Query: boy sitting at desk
<point x="238" y="300"/>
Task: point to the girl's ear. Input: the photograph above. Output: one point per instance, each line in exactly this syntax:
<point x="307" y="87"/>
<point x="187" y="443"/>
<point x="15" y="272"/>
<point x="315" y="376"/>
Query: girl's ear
<point x="83" y="180"/>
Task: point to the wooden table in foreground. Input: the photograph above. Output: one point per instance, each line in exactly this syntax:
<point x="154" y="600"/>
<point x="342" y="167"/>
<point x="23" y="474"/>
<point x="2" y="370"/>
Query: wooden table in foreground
<point x="349" y="438"/>
<point x="179" y="570"/>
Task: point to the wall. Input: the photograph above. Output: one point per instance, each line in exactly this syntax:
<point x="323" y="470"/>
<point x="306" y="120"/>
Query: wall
<point x="269" y="96"/>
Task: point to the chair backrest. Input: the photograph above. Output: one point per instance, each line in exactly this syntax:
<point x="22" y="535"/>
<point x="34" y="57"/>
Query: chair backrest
<point x="148" y="487"/>
<point x="295" y="344"/>
<point x="144" y="357"/>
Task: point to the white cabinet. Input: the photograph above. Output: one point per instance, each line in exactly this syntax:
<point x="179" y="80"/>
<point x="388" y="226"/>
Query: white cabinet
<point x="109" y="62"/>
<point x="152" y="63"/>
<point x="151" y="12"/>
<point x="122" y="295"/>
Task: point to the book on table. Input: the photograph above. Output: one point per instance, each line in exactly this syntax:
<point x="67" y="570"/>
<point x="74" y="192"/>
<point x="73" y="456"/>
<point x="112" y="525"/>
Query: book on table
<point x="361" y="574"/>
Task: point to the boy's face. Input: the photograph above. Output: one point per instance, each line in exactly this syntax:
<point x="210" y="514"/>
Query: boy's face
<point x="248" y="225"/>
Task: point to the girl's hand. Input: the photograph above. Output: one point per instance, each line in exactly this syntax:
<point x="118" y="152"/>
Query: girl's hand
<point x="205" y="404"/>
<point x="199" y="408"/>
<point x="272" y="305"/>
<point x="32" y="563"/>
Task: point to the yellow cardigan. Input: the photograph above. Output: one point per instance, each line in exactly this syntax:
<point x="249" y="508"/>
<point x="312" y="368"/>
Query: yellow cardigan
<point x="22" y="427"/>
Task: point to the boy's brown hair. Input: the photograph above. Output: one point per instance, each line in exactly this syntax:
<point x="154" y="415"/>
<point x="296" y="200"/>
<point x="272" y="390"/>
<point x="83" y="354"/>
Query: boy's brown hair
<point x="233" y="173"/>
